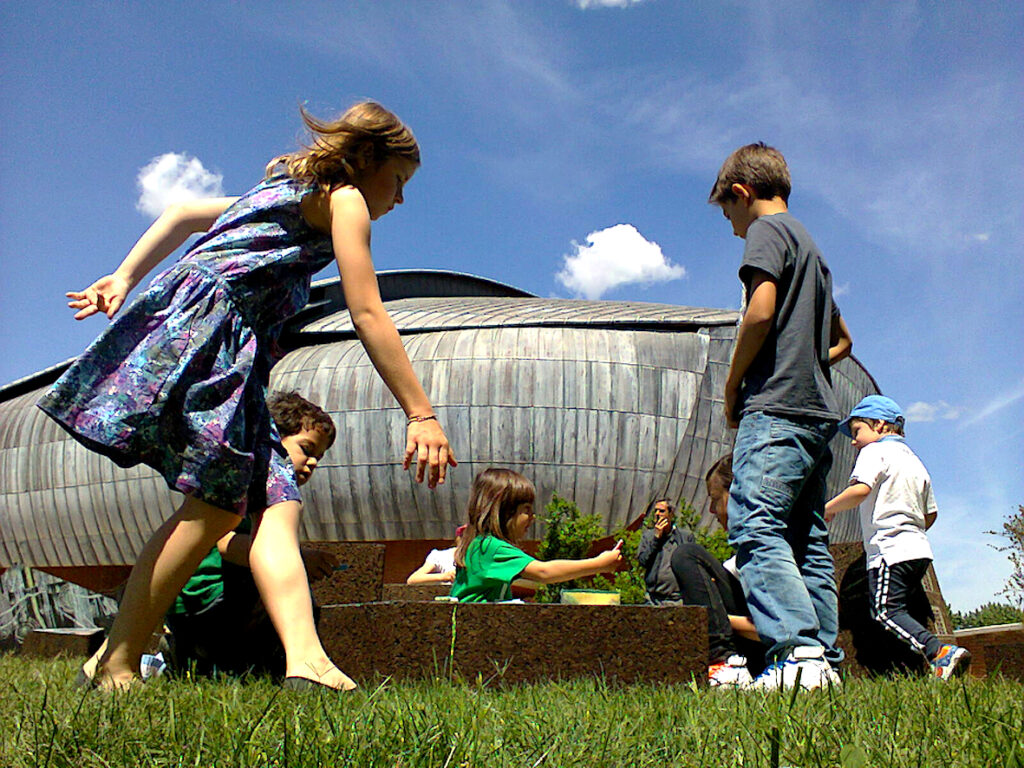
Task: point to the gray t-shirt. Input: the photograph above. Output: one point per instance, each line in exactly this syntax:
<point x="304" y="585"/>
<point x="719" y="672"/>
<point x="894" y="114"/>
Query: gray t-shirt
<point x="790" y="375"/>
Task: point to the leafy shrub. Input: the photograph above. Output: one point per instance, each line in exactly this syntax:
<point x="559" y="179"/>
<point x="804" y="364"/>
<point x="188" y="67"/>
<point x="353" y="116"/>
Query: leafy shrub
<point x="569" y="537"/>
<point x="711" y="537"/>
<point x="629" y="583"/>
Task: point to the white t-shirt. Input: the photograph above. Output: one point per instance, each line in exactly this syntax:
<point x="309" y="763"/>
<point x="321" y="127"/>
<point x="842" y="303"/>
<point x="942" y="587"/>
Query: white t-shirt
<point x="441" y="560"/>
<point x="892" y="517"/>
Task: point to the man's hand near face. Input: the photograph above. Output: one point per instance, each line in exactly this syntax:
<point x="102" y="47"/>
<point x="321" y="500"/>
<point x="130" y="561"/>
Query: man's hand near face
<point x="662" y="525"/>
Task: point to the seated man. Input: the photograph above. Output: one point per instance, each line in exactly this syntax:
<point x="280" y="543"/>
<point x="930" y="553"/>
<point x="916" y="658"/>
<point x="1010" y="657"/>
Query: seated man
<point x="439" y="567"/>
<point x="657" y="545"/>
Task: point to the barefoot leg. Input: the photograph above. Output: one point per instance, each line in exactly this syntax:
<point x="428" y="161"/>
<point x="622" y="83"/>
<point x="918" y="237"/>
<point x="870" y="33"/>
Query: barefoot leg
<point x="166" y="562"/>
<point x="284" y="587"/>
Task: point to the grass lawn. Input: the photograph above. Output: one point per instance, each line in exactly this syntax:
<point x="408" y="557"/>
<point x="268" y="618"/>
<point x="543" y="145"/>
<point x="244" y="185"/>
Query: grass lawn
<point x="45" y="721"/>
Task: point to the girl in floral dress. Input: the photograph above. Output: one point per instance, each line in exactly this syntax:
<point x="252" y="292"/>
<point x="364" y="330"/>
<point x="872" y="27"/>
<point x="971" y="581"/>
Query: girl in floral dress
<point x="178" y="380"/>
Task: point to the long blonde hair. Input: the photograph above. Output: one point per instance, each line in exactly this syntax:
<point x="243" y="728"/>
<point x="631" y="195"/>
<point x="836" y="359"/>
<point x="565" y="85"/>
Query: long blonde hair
<point x="366" y="132"/>
<point x="493" y="500"/>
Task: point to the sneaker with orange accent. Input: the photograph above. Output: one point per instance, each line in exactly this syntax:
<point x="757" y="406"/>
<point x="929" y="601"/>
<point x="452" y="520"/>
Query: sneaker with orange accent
<point x="731" y="673"/>
<point x="951" y="661"/>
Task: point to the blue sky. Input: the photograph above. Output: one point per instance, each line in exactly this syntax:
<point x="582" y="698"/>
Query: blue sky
<point x="577" y="139"/>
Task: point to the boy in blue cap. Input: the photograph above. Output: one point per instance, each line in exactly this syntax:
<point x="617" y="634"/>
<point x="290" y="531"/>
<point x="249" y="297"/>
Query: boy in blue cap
<point x="778" y="394"/>
<point x="894" y="492"/>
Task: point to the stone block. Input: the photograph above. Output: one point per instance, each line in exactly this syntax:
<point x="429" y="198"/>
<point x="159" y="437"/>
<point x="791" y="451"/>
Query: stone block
<point x="516" y="643"/>
<point x="74" y="641"/>
<point x="415" y="592"/>
<point x="360" y="578"/>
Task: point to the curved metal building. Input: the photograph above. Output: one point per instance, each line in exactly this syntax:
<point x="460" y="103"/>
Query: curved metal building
<point x="610" y="404"/>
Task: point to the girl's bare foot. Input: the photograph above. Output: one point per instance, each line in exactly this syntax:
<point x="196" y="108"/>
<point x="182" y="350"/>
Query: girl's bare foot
<point x="322" y="672"/>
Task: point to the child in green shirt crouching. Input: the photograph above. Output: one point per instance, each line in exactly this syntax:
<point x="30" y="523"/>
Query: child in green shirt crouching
<point x="488" y="559"/>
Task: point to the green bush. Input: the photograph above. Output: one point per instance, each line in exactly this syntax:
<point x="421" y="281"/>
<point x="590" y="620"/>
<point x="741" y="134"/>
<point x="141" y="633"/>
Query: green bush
<point x="629" y="583"/>
<point x="569" y="537"/>
<point x="711" y="537"/>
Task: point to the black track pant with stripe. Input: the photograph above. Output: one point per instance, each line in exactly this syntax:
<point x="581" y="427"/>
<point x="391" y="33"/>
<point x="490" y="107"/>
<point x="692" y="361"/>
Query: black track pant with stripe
<point x="891" y="586"/>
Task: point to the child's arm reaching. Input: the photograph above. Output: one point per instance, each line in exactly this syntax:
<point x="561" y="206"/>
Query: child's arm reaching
<point x="426" y="574"/>
<point x="555" y="571"/>
<point x="165" y="234"/>
<point x="350" y="233"/>
<point x="848" y="499"/>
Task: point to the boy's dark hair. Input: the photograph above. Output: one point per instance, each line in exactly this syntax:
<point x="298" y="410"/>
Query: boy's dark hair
<point x="293" y="413"/>
<point x="760" y="167"/>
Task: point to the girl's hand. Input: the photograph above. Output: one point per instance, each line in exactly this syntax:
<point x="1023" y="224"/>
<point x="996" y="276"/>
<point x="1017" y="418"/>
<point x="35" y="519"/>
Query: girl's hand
<point x="610" y="560"/>
<point x="428" y="442"/>
<point x="106" y="295"/>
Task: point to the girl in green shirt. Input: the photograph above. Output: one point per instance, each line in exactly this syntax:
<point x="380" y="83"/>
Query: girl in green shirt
<point x="489" y="559"/>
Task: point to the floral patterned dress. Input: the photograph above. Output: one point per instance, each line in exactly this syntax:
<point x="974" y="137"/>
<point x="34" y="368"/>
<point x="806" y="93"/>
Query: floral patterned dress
<point x="179" y="379"/>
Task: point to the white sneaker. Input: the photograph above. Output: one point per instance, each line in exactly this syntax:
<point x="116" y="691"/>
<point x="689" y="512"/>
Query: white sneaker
<point x="804" y="666"/>
<point x="731" y="673"/>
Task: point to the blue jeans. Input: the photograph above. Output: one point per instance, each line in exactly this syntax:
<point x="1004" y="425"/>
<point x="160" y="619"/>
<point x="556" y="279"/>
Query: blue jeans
<point x="777" y="526"/>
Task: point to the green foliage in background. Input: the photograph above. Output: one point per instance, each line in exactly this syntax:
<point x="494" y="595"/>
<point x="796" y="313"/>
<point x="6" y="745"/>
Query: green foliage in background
<point x="711" y="537"/>
<point x="987" y="615"/>
<point x="569" y="536"/>
<point x="628" y="583"/>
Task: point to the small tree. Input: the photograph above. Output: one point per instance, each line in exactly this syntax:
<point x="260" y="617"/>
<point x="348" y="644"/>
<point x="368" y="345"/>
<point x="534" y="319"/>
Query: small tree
<point x="1013" y="532"/>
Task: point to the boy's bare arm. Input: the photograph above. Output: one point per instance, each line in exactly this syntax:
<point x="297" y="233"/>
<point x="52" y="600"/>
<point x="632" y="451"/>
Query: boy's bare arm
<point x="848" y="499"/>
<point x="841" y="341"/>
<point x="754" y="329"/>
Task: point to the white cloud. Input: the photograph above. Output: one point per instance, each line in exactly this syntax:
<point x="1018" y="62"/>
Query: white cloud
<point x="174" y="178"/>
<point x="584" y="5"/>
<point x="997" y="403"/>
<point x="921" y="411"/>
<point x="612" y="257"/>
<point x="840" y="290"/>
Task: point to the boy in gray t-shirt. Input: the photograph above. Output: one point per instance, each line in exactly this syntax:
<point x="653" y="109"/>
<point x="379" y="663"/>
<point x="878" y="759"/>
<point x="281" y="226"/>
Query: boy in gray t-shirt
<point x="779" y="395"/>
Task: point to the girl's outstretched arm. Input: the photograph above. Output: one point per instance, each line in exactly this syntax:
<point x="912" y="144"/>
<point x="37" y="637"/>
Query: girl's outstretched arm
<point x="165" y="234"/>
<point x="350" y="233"/>
<point x="555" y="571"/>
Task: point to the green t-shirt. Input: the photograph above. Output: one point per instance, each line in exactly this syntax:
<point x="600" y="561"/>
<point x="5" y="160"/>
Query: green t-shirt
<point x="206" y="585"/>
<point x="491" y="567"/>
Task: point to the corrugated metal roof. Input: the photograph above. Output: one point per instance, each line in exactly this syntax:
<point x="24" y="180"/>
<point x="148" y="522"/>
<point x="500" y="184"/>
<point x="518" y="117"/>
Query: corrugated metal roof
<point x="448" y="313"/>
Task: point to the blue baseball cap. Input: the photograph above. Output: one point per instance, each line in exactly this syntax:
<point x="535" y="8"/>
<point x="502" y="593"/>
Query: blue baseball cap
<point x="873" y="407"/>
